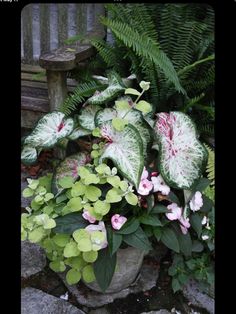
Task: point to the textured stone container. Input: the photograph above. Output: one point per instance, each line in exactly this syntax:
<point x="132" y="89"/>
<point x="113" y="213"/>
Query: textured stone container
<point x="129" y="262"/>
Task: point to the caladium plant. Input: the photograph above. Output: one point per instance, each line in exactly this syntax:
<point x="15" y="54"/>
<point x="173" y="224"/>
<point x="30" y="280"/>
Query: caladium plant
<point x="182" y="157"/>
<point x="68" y="168"/>
<point x="50" y="129"/>
<point x="127" y="157"/>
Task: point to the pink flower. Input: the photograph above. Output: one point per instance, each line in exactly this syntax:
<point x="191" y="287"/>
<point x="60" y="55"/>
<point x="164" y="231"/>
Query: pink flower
<point x="145" y="187"/>
<point x="144" y="174"/>
<point x="196" y="201"/>
<point x="88" y="217"/>
<point x="117" y="221"/>
<point x="184" y="224"/>
<point x="160" y="185"/>
<point x="175" y="212"/>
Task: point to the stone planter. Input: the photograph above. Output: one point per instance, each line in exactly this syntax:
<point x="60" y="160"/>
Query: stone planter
<point x="129" y="262"/>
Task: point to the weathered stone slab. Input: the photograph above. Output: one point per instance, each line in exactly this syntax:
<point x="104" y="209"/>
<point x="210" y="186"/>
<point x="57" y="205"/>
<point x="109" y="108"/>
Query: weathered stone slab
<point x="34" y="301"/>
<point x="198" y="298"/>
<point x="33" y="259"/>
<point x="145" y="281"/>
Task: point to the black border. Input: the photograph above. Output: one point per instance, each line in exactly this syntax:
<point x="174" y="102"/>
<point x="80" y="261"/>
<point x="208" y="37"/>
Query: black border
<point x="10" y="13"/>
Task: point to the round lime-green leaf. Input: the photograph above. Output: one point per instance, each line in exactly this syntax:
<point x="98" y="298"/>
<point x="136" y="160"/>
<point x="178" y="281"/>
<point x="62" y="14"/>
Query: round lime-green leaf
<point x="101" y="207"/>
<point x="28" y="192"/>
<point x="73" y="276"/>
<point x="88" y="274"/>
<point x="92" y="193"/>
<point x="90" y="257"/>
<point x="131" y="198"/>
<point x="57" y="266"/>
<point x="71" y="249"/>
<point x="61" y="239"/>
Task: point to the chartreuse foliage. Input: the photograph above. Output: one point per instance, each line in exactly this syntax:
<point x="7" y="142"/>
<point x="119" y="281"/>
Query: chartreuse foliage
<point x="57" y="224"/>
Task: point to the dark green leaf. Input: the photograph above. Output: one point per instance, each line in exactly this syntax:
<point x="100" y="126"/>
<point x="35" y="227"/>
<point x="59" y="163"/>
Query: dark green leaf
<point x="150" y="200"/>
<point x="182" y="278"/>
<point x="138" y="239"/>
<point x="169" y="238"/>
<point x="116" y="242"/>
<point x="157" y="232"/>
<point x="159" y="209"/>
<point x="129" y="227"/>
<point x="69" y="223"/>
<point x="104" y="268"/>
<point x="197" y="246"/>
<point x="173" y="198"/>
<point x="151" y="220"/>
<point x="196" y="223"/>
<point x="148" y="230"/>
<point x="185" y="243"/>
<point x="61" y="198"/>
<point x="207" y="204"/>
<point x="201" y="184"/>
<point x="175" y="285"/>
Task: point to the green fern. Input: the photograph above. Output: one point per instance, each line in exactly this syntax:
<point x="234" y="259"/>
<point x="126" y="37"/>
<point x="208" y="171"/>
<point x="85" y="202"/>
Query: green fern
<point x="78" y="96"/>
<point x="210" y="169"/>
<point x="144" y="47"/>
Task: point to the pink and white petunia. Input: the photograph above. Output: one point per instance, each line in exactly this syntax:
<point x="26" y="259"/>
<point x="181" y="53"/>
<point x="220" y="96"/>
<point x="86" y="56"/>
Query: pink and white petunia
<point x="88" y="217"/>
<point x="160" y="185"/>
<point x="145" y="187"/>
<point x="175" y="212"/>
<point x="117" y="221"/>
<point x="100" y="227"/>
<point x="184" y="224"/>
<point x="144" y="174"/>
<point x="196" y="201"/>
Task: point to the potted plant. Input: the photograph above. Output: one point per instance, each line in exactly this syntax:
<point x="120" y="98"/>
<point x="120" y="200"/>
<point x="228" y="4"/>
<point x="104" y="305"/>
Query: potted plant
<point x="139" y="179"/>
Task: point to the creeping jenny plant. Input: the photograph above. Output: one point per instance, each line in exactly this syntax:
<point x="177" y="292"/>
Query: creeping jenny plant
<point x="141" y="181"/>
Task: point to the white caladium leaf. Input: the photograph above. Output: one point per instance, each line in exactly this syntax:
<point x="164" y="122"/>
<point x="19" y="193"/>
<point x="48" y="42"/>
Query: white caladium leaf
<point x="28" y="155"/>
<point x="125" y="149"/>
<point x="78" y="132"/>
<point x="86" y="118"/>
<point x="182" y="156"/>
<point x="49" y="130"/>
<point x="104" y="115"/>
<point x="113" y="90"/>
<point x="68" y="167"/>
<point x="134" y="117"/>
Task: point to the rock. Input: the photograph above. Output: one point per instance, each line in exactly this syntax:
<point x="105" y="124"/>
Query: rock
<point x="157" y="312"/>
<point x="101" y="310"/>
<point x="145" y="281"/>
<point x="35" y="301"/>
<point x="33" y="259"/>
<point x="198" y="298"/>
<point x="25" y="202"/>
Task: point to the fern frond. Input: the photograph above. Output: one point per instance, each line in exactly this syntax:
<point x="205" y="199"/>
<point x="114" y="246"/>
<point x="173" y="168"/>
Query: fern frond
<point x="210" y="169"/>
<point x="81" y="92"/>
<point x="106" y="51"/>
<point x="144" y="47"/>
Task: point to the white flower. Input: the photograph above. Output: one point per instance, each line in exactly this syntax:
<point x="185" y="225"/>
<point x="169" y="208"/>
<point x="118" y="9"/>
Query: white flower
<point x="145" y="187"/>
<point x="64" y="296"/>
<point x="117" y="221"/>
<point x="160" y="185"/>
<point x="204" y="220"/>
<point x="144" y="174"/>
<point x="184" y="224"/>
<point x="205" y="237"/>
<point x="86" y="215"/>
<point x="196" y="201"/>
<point x="175" y="212"/>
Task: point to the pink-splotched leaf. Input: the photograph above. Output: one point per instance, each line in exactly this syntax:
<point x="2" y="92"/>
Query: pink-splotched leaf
<point x="125" y="149"/>
<point x="68" y="168"/>
<point x="28" y="155"/>
<point x="50" y="129"/>
<point x="182" y="156"/>
<point x="86" y="117"/>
